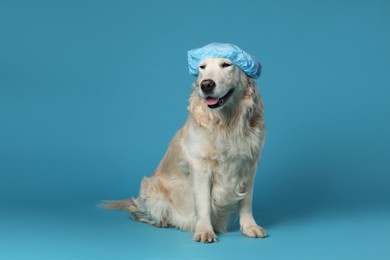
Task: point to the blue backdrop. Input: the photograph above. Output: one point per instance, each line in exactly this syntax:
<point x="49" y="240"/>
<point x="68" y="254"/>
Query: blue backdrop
<point x="91" y="92"/>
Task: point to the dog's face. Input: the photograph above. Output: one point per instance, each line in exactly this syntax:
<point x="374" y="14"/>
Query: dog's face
<point x="220" y="82"/>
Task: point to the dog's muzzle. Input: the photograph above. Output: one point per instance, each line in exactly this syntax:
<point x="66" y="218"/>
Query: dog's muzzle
<point x="218" y="102"/>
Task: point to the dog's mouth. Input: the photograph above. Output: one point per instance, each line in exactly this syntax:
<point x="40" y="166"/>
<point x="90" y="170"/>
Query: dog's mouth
<point x="218" y="102"/>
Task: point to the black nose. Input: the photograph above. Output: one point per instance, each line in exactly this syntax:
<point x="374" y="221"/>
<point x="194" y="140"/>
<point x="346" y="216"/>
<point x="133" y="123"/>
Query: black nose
<point x="207" y="86"/>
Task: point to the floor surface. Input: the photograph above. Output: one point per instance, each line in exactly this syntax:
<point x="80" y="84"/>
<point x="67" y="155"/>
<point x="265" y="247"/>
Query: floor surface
<point x="82" y="231"/>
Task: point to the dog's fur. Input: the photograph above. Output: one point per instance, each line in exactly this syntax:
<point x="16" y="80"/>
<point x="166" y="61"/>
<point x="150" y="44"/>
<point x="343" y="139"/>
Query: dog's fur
<point x="210" y="164"/>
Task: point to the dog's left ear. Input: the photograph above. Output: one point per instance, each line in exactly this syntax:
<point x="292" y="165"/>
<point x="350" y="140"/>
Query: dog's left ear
<point x="251" y="83"/>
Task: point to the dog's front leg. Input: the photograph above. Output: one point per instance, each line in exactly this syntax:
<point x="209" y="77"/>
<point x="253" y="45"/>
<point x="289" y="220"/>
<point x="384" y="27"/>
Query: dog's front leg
<point x="202" y="187"/>
<point x="247" y="222"/>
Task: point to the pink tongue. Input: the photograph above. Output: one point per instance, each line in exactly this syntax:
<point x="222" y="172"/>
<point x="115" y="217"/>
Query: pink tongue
<point x="211" y="101"/>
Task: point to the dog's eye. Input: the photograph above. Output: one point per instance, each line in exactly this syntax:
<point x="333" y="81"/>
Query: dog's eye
<point x="226" y="64"/>
<point x="202" y="67"/>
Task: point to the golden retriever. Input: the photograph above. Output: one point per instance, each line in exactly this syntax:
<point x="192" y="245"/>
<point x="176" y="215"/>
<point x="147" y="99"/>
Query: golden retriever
<point x="210" y="165"/>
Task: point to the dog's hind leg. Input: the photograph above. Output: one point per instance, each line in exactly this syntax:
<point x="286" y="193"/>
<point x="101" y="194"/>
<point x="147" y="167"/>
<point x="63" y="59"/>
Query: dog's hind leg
<point x="155" y="201"/>
<point x="152" y="206"/>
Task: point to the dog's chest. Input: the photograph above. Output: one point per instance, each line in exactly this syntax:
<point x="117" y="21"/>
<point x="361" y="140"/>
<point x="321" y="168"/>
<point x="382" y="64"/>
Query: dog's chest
<point x="224" y="145"/>
<point x="231" y="155"/>
<point x="236" y="145"/>
<point x="235" y="160"/>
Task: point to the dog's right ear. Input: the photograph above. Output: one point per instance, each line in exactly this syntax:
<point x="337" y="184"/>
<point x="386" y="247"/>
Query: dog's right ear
<point x="195" y="84"/>
<point x="198" y="110"/>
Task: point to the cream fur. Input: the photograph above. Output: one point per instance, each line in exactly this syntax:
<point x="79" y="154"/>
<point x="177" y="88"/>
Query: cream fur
<point x="210" y="165"/>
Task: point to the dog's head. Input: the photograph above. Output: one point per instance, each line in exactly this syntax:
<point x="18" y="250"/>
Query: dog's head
<point x="220" y="82"/>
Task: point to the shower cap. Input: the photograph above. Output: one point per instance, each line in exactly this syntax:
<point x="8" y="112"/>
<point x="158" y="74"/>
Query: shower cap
<point x="240" y="58"/>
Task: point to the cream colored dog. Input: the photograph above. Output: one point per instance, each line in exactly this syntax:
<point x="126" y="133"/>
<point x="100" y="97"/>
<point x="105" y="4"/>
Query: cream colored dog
<point x="210" y="164"/>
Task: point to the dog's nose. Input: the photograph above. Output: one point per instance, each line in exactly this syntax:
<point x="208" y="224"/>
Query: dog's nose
<point x="207" y="86"/>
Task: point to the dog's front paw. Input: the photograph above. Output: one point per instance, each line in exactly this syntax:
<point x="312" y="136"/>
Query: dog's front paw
<point x="205" y="236"/>
<point x="253" y="231"/>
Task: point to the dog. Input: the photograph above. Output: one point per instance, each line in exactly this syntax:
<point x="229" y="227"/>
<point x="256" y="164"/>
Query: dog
<point x="210" y="165"/>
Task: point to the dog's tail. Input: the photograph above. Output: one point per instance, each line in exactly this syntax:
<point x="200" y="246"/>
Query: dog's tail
<point x="135" y="206"/>
<point x="117" y="204"/>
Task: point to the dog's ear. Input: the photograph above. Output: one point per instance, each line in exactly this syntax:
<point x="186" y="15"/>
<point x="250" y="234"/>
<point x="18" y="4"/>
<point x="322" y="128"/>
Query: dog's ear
<point x="250" y="87"/>
<point x="199" y="112"/>
<point x="253" y="100"/>
<point x="195" y="84"/>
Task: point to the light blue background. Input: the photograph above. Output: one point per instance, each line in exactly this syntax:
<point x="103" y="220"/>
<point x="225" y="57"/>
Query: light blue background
<point x="91" y="92"/>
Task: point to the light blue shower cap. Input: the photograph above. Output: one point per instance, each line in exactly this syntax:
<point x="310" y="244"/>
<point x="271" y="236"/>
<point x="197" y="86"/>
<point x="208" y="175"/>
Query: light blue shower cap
<point x="240" y="58"/>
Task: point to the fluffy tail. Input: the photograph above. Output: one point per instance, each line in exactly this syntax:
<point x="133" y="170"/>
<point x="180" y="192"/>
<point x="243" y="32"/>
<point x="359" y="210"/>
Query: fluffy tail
<point x="117" y="204"/>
